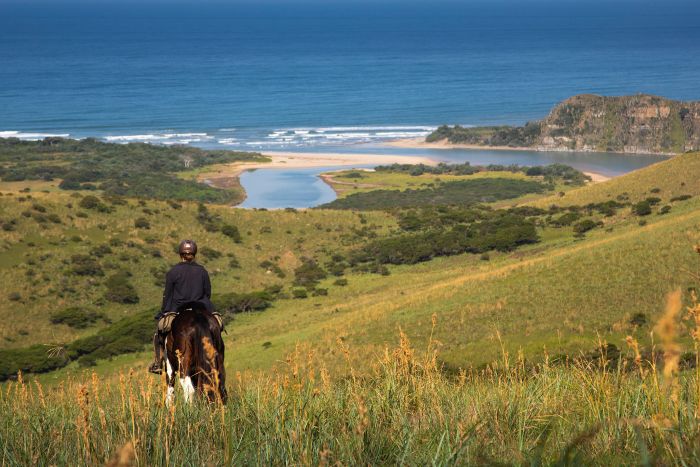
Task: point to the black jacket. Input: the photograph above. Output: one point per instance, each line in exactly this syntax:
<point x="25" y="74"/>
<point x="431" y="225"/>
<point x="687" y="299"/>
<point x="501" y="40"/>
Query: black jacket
<point x="185" y="283"/>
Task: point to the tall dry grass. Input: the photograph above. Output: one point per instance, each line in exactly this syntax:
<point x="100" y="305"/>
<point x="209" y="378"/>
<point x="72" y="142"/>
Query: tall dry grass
<point x="400" y="408"/>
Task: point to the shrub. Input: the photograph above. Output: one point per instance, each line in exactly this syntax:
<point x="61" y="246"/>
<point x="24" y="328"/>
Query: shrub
<point x="642" y="208"/>
<point x="35" y="359"/>
<point x="584" y="226"/>
<point x="100" y="251"/>
<point x="232" y="232"/>
<point x="93" y="202"/>
<point x="320" y="292"/>
<point x="638" y="319"/>
<point x="299" y="293"/>
<point x="14" y="297"/>
<point x="308" y="274"/>
<point x="240" y="302"/>
<point x="664" y="210"/>
<point x="680" y="198"/>
<point x="210" y="253"/>
<point x="567" y="219"/>
<point x="84" y="265"/>
<point x="120" y="290"/>
<point x="8" y="226"/>
<point x="76" y="317"/>
<point x="53" y="217"/>
<point x="341" y="282"/>
<point x="234" y="263"/>
<point x="142" y="223"/>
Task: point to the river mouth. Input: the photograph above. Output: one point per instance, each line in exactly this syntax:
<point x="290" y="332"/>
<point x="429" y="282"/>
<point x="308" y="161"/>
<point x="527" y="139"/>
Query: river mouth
<point x="286" y="188"/>
<point x="302" y="187"/>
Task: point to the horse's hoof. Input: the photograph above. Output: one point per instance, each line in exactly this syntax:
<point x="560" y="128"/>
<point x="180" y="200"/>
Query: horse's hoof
<point x="155" y="368"/>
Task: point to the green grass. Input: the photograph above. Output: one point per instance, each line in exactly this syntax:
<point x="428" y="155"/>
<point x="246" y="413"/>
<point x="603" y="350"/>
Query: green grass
<point x="45" y="250"/>
<point x="674" y="177"/>
<point x="386" y="180"/>
<point x="403" y="410"/>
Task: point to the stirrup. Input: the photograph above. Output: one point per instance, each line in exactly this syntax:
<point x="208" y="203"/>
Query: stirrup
<point x="156" y="368"/>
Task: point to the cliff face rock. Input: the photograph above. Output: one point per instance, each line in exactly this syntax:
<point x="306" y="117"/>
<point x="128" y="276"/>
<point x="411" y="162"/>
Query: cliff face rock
<point x="627" y="124"/>
<point x="632" y="124"/>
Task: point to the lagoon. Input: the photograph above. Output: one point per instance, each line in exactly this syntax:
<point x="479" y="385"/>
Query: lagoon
<point x="303" y="188"/>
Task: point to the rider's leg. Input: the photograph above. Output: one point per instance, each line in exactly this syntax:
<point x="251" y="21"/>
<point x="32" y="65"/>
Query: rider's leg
<point x="157" y="365"/>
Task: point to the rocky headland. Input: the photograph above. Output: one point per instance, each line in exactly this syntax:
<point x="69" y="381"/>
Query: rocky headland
<point x="626" y="124"/>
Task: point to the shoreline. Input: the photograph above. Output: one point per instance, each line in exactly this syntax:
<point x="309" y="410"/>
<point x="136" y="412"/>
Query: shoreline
<point x="222" y="176"/>
<point x="420" y="143"/>
<point x="227" y="176"/>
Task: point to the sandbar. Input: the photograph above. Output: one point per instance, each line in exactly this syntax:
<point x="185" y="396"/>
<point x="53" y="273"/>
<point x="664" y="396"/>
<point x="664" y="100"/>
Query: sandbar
<point x="221" y="175"/>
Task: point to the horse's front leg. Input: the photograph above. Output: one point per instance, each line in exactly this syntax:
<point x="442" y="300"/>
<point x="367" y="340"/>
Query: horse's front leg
<point x="170" y="373"/>
<point x="186" y="380"/>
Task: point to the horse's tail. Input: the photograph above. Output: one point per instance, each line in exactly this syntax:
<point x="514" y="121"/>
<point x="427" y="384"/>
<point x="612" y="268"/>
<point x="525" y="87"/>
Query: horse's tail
<point x="208" y="357"/>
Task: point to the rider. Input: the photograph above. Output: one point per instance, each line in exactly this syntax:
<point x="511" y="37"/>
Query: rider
<point x="186" y="282"/>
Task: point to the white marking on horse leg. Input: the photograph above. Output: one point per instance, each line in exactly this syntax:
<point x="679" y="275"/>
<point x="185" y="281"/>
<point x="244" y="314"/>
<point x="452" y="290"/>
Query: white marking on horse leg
<point x="170" y="396"/>
<point x="168" y="366"/>
<point x="187" y="388"/>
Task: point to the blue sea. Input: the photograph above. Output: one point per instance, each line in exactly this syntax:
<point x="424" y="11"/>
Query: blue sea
<point x="330" y="75"/>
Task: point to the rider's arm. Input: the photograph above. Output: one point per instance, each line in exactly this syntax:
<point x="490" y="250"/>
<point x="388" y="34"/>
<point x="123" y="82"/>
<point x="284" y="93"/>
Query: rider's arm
<point x="168" y="293"/>
<point x="207" y="285"/>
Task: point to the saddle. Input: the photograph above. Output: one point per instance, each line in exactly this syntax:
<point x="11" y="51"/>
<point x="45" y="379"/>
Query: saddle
<point x="165" y="322"/>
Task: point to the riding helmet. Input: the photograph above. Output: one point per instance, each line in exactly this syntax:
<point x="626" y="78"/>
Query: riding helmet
<point x="187" y="246"/>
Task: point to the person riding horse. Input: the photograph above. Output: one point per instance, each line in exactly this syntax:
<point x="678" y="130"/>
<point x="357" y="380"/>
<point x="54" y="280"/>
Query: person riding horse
<point x="187" y="284"/>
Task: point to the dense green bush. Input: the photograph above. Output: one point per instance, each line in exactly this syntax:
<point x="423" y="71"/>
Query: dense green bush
<point x="120" y="290"/>
<point x="503" y="231"/>
<point x="76" y="317"/>
<point x="299" y="293"/>
<point x="130" y="334"/>
<point x="642" y="208"/>
<point x="84" y="265"/>
<point x="680" y="198"/>
<point x="584" y="226"/>
<point x="251" y="301"/>
<point x="462" y="192"/>
<point x="232" y="232"/>
<point x="308" y="274"/>
<point x="210" y="253"/>
<point x="142" y="223"/>
<point x="34" y="359"/>
<point x="93" y="202"/>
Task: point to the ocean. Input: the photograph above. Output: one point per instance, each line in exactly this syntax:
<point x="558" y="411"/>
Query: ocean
<point x="336" y="77"/>
<point x="326" y="75"/>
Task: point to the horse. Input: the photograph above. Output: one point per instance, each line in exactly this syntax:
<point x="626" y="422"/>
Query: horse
<point x="194" y="351"/>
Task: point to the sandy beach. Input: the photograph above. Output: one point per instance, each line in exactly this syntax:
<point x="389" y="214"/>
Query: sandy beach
<point x="418" y="143"/>
<point x="223" y="176"/>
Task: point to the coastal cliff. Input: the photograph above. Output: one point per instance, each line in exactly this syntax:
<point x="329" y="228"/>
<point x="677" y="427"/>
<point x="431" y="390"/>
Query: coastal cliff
<point x="626" y="124"/>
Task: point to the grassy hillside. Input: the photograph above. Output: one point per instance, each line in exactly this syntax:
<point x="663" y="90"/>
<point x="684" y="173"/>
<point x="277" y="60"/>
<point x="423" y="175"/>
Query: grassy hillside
<point x="491" y="372"/>
<point x="58" y="254"/>
<point x="605" y="285"/>
<point x="669" y="179"/>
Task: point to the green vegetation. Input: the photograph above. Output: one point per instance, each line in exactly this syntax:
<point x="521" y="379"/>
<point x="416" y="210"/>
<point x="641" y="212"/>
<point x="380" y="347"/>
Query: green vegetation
<point x="481" y="190"/>
<point x="313" y="297"/>
<point x="404" y="408"/>
<point x="551" y="173"/>
<point x="524" y="136"/>
<point x="134" y="169"/>
<point x="76" y="317"/>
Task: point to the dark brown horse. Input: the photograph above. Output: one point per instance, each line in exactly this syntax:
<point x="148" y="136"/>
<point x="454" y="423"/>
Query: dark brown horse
<point x="194" y="352"/>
